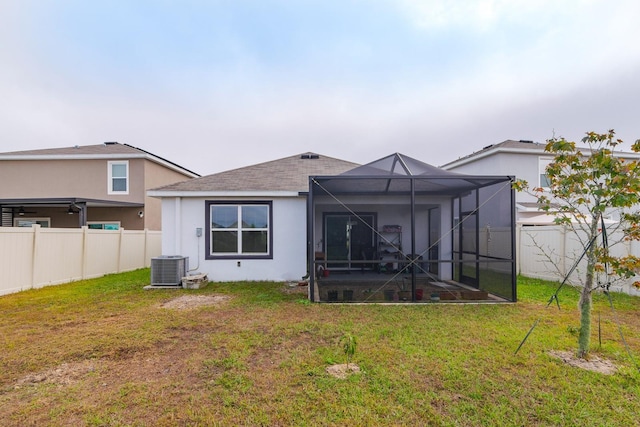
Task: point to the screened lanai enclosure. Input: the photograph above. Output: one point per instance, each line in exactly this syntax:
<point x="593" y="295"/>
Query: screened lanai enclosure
<point x="400" y="230"/>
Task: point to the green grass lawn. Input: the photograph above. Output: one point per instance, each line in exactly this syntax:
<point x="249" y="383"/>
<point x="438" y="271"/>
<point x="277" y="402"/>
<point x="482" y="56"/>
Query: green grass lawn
<point x="104" y="352"/>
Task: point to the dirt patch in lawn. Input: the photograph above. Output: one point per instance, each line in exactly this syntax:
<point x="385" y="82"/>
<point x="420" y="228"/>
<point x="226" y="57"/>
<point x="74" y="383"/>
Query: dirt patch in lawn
<point x="186" y="302"/>
<point x="64" y="374"/>
<point x="593" y="363"/>
<point x="342" y="371"/>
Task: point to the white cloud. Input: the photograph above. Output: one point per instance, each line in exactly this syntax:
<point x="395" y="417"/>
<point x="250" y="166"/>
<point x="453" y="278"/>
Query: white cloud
<point x="467" y="75"/>
<point x="485" y="15"/>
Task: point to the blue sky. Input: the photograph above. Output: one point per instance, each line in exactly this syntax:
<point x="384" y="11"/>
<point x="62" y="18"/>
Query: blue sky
<point x="214" y="85"/>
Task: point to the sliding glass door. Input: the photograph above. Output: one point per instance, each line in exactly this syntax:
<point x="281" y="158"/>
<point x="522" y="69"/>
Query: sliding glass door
<point x="348" y="239"/>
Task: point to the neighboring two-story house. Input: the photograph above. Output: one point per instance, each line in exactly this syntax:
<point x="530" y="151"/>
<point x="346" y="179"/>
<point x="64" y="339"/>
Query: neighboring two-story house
<point x="100" y="186"/>
<point x="525" y="160"/>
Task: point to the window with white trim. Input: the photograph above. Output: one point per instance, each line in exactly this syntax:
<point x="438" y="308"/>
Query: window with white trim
<point x="103" y="225"/>
<point x="542" y="170"/>
<point x="118" y="177"/>
<point x="239" y="230"/>
<point x="28" y="222"/>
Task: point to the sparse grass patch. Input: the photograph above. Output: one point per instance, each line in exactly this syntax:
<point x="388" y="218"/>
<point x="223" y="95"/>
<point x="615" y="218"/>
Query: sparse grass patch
<point x="260" y="359"/>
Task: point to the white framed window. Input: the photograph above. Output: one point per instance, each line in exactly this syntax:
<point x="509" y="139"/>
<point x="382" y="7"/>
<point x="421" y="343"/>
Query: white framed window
<point x="103" y="225"/>
<point x="239" y="230"/>
<point x="543" y="162"/>
<point x="28" y="222"/>
<point x="118" y="177"/>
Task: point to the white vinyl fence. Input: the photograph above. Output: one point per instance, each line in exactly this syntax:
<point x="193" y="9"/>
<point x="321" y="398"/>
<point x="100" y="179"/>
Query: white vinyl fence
<point x="549" y="252"/>
<point x="36" y="257"/>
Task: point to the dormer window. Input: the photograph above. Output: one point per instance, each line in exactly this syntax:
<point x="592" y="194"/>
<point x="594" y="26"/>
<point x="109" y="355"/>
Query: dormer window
<point x="118" y="177"/>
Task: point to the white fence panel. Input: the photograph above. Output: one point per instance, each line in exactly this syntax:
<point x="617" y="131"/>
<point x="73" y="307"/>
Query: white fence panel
<point x="532" y="261"/>
<point x="153" y="247"/>
<point x="98" y="244"/>
<point x="132" y="251"/>
<point x="36" y="257"/>
<point x="549" y="253"/>
<point x="57" y="256"/>
<point x="16" y="250"/>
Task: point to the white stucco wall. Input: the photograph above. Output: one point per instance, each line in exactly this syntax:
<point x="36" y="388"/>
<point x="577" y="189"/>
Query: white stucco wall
<point x="521" y="165"/>
<point x="182" y="216"/>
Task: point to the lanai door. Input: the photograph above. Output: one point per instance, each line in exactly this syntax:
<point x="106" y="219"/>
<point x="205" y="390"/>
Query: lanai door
<point x="469" y="244"/>
<point x="348" y="239"/>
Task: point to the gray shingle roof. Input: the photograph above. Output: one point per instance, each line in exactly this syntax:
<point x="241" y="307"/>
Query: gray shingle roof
<point x="107" y="148"/>
<point x="286" y="174"/>
<point x="508" y="144"/>
<point x="524" y="145"/>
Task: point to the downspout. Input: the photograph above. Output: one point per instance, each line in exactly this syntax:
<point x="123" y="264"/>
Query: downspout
<point x="82" y="214"/>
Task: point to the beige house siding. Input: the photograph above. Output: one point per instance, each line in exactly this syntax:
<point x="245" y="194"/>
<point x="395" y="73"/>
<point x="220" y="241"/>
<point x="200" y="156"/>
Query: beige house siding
<point x="156" y="175"/>
<point x="128" y="217"/>
<point x="137" y="184"/>
<point x="67" y="178"/>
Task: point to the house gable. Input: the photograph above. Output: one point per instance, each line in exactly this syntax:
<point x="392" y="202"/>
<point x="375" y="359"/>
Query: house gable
<point x="289" y="175"/>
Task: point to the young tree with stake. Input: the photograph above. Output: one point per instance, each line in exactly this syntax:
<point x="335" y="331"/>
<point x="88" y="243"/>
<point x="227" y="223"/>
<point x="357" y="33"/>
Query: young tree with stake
<point x="583" y="185"/>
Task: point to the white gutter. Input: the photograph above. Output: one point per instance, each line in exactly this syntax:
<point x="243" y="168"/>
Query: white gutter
<point x="167" y="193"/>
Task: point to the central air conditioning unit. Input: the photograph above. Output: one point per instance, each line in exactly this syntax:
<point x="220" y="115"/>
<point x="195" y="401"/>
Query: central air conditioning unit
<point x="168" y="270"/>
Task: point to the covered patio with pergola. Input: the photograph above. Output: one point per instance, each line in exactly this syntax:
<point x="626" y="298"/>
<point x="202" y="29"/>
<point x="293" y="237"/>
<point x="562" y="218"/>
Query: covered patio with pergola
<point x="66" y="212"/>
<point x="400" y="230"/>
